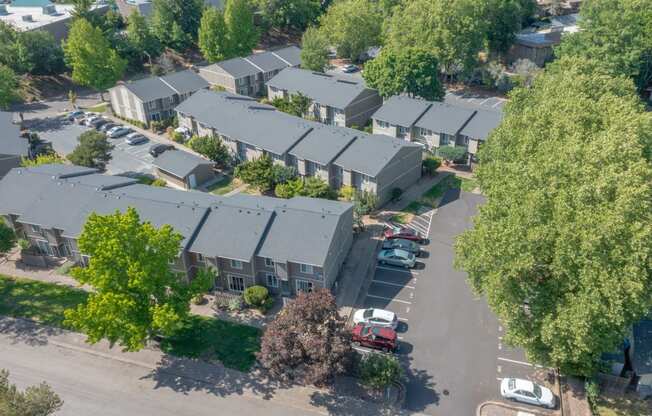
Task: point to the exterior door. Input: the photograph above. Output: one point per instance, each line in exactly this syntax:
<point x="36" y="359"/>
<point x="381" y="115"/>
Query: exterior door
<point x="236" y="283"/>
<point x="304" y="286"/>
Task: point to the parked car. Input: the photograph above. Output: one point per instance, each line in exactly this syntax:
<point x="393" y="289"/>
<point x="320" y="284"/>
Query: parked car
<point x="376" y="317"/>
<point x="135" y="138"/>
<point x="184" y="131"/>
<point x="403" y="233"/>
<point x="397" y="257"/>
<point x="74" y="115"/>
<point x="349" y="68"/>
<point x="99" y="123"/>
<point x="118" y="131"/>
<point x="402" y="244"/>
<point x="90" y="120"/>
<point x="374" y="337"/>
<point x="157" y="149"/>
<point x="526" y="391"/>
<point x="108" y="126"/>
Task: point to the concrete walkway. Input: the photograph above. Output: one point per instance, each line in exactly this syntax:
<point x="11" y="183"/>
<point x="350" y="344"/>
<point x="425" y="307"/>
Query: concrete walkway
<point x="10" y="266"/>
<point x="504" y="409"/>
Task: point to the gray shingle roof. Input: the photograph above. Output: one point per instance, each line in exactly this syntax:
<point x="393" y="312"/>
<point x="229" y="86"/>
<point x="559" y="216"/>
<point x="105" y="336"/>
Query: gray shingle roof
<point x="335" y="91"/>
<point x="246" y="120"/>
<point x="103" y="182"/>
<point x="324" y="143"/>
<point x="316" y="205"/>
<point x="10" y="141"/>
<point x="157" y="193"/>
<point x="371" y="153"/>
<point x="255" y="63"/>
<point x="179" y="163"/>
<point x="482" y="123"/>
<point x="444" y="118"/>
<point x="291" y="54"/>
<point x="19" y="188"/>
<point x="232" y="232"/>
<point x="153" y="88"/>
<point x="267" y="61"/>
<point x="236" y="67"/>
<point x="402" y="111"/>
<point x="61" y="171"/>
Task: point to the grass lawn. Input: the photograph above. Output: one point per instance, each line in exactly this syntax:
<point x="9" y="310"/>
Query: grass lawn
<point x="401" y="218"/>
<point x="469" y="185"/>
<point x="100" y="108"/>
<point x="225" y="185"/>
<point x="233" y="344"/>
<point x="42" y="302"/>
<point x="622" y="406"/>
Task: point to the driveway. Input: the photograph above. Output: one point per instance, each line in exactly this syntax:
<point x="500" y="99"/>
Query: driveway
<point x="450" y="342"/>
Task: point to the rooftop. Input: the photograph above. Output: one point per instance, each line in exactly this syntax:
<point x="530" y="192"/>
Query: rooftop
<point x="259" y="62"/>
<point x="152" y="88"/>
<point x="370" y="154"/>
<point x="10" y="141"/>
<point x="337" y="91"/>
<point x="444" y="118"/>
<point x="401" y="110"/>
<point x="324" y="143"/>
<point x="179" y="163"/>
<point x="27" y="15"/>
<point x="482" y="124"/>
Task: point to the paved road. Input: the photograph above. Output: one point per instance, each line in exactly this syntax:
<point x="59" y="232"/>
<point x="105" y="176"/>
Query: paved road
<point x="450" y="341"/>
<point x="91" y="385"/>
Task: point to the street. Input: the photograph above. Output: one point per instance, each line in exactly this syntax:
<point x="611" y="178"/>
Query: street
<point x="449" y="341"/>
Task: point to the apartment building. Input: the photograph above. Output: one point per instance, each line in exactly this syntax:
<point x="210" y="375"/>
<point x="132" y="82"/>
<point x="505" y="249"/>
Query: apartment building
<point x="286" y="245"/>
<point x="154" y="98"/>
<point x="251" y="130"/>
<point x="12" y="147"/>
<point x="248" y="75"/>
<point x="336" y="100"/>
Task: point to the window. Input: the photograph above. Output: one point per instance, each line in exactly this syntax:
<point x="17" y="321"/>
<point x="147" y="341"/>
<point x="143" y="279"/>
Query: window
<point x="200" y="258"/>
<point x="269" y="262"/>
<point x="236" y="283"/>
<point x="236" y="264"/>
<point x="36" y="229"/>
<point x="304" y="286"/>
<point x="272" y="280"/>
<point x="382" y="124"/>
<point x="305" y="268"/>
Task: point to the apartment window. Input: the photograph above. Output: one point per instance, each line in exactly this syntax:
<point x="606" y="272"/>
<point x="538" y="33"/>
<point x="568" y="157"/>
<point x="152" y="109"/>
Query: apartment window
<point x="200" y="258"/>
<point x="304" y="286"/>
<point x="269" y="262"/>
<point x="306" y="268"/>
<point x="403" y="131"/>
<point x="382" y="124"/>
<point x="443" y="139"/>
<point x="36" y="229"/>
<point x="236" y="283"/>
<point x="236" y="264"/>
<point x="272" y="280"/>
<point x="44" y="247"/>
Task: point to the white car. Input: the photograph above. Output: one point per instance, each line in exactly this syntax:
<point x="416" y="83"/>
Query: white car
<point x="376" y="317"/>
<point x="118" y="131"/>
<point x="528" y="392"/>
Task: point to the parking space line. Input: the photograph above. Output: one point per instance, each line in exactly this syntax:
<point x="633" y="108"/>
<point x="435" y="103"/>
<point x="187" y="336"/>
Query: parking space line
<point x="391" y="269"/>
<point x="392" y="284"/>
<point x="403" y="319"/>
<point x="389" y="299"/>
<point x="519" y="362"/>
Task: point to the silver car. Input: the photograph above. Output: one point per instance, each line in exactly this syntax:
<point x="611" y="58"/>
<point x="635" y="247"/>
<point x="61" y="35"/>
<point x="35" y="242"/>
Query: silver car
<point x="397" y="257"/>
<point x="402" y="244"/>
<point x="118" y="131"/>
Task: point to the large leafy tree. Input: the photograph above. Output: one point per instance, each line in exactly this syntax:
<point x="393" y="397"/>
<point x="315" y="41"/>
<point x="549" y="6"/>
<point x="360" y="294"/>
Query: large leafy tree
<point x="562" y="247"/>
<point x="615" y="33"/>
<point x="140" y="36"/>
<point x="257" y="172"/>
<point x="412" y="71"/>
<point x="38" y="400"/>
<point x="176" y="22"/>
<point x="137" y="295"/>
<point x="352" y="26"/>
<point x="297" y="14"/>
<point x="94" y="63"/>
<point x="37" y="52"/>
<point x="8" y="86"/>
<point x="243" y="36"/>
<point x="503" y="19"/>
<point x="314" y="50"/>
<point x="7" y="237"/>
<point x="307" y="339"/>
<point x="453" y="29"/>
<point x="211" y="147"/>
<point x="93" y="150"/>
<point x="213" y="36"/>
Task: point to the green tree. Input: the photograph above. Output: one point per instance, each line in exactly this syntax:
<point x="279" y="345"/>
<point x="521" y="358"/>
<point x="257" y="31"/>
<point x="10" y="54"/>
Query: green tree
<point x="454" y="31"/>
<point x="140" y="36"/>
<point x="289" y="189"/>
<point x="561" y="247"/>
<point x="137" y="295"/>
<point x="352" y="26"/>
<point x="296" y="14"/>
<point x="314" y="50"/>
<point x="38" y="53"/>
<point x="7" y="45"/>
<point x="213" y="36"/>
<point x="379" y="371"/>
<point x="503" y="19"/>
<point x="239" y="20"/>
<point x="38" y="400"/>
<point x="257" y="172"/>
<point x="176" y="22"/>
<point x="615" y="33"/>
<point x="93" y="150"/>
<point x="7" y="237"/>
<point x="297" y="105"/>
<point x="8" y="86"/>
<point x="94" y="63"/>
<point x="412" y="71"/>
<point x="45" y="159"/>
<point x="315" y="187"/>
<point x="213" y="148"/>
<point x="451" y="153"/>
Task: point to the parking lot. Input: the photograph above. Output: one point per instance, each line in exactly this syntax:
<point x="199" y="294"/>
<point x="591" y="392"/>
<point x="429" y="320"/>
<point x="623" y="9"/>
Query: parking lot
<point x="449" y="341"/>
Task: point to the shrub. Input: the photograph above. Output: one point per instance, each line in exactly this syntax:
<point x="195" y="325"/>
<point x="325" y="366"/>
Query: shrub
<point x="177" y="137"/>
<point x="430" y="165"/>
<point x="235" y="304"/>
<point x="347" y="192"/>
<point x="159" y="182"/>
<point x="198" y="299"/>
<point x="256" y="296"/>
<point x="452" y="153"/>
<point x="378" y="371"/>
<point x="592" y="388"/>
<point x="396" y="194"/>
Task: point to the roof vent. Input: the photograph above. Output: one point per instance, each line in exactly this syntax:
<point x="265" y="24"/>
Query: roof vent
<point x="347" y="82"/>
<point x="49" y="10"/>
<point x="321" y="74"/>
<point x="27" y="18"/>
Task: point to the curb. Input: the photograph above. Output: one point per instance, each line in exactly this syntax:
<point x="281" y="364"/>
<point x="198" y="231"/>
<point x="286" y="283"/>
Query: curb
<point x="478" y="411"/>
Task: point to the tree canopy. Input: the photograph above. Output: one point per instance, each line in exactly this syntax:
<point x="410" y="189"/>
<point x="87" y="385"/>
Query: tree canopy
<point x="314" y="50"/>
<point x="8" y="86"/>
<point x="141" y="37"/>
<point x="136" y="295"/>
<point x="176" y="22"/>
<point x="211" y="147"/>
<point x="93" y="150"/>
<point x="94" y="63"/>
<point x="562" y="246"/>
<point x="410" y="70"/>
<point x="352" y="26"/>
<point x="615" y="33"/>
<point x="38" y="400"/>
<point x="503" y="19"/>
<point x="7" y="237"/>
<point x="257" y="172"/>
<point x="243" y="36"/>
<point x="297" y="14"/>
<point x="213" y="36"/>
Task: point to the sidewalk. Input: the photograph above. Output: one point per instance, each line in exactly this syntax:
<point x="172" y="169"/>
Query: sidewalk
<point x="503" y="409"/>
<point x="197" y="374"/>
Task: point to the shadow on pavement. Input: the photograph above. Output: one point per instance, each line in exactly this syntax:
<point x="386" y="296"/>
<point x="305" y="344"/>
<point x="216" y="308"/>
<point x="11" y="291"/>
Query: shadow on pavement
<point x="25" y="331"/>
<point x="451" y="195"/>
<point x="421" y="388"/>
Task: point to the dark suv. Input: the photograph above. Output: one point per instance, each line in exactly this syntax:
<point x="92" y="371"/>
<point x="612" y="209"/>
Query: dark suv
<point x="157" y="149"/>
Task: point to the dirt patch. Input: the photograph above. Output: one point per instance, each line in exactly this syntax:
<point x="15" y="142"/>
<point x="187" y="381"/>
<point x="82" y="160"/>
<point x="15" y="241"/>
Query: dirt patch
<point x="275" y="38"/>
<point x="43" y="87"/>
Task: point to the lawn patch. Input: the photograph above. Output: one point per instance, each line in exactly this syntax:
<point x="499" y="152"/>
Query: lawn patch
<point x="401" y="218"/>
<point x="622" y="406"/>
<point x="235" y="345"/>
<point x="224" y="185"/>
<point x="469" y="185"/>
<point x="99" y="108"/>
<point x="42" y="302"/>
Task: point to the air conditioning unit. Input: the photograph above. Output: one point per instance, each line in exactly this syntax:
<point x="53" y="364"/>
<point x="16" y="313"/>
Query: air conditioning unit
<point x="27" y="18"/>
<point x="49" y="10"/>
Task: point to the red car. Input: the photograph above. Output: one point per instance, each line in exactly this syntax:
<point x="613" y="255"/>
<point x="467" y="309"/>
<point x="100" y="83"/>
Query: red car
<point x="392" y="233"/>
<point x="374" y="337"/>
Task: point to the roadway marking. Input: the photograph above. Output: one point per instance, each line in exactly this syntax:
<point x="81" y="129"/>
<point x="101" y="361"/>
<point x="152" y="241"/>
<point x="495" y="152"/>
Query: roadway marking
<point x="520" y="362"/>
<point x="392" y="284"/>
<point x="392" y="269"/>
<point x="389" y="299"/>
<point x="500" y="368"/>
<point x="404" y="319"/>
<point x="399" y="337"/>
